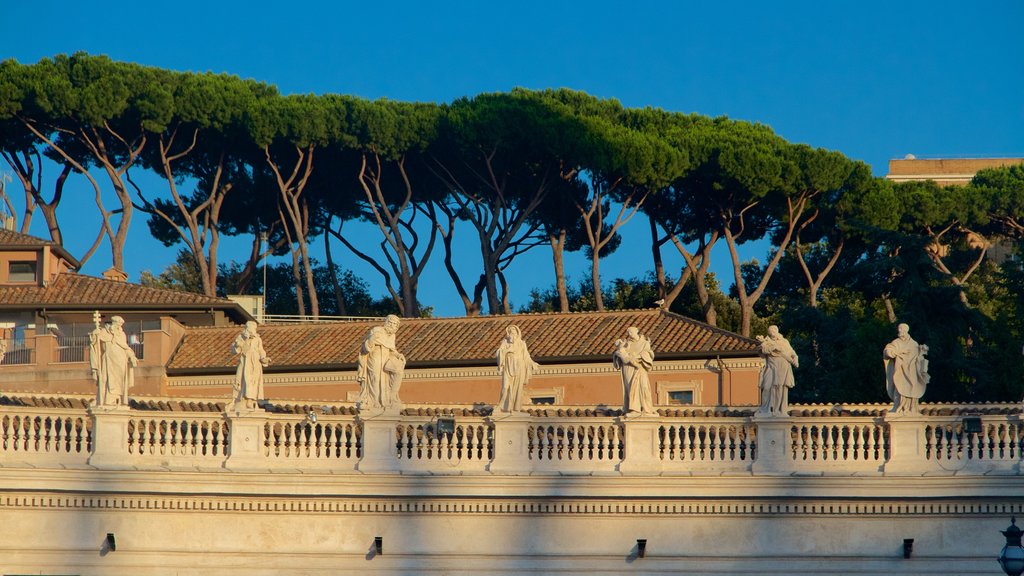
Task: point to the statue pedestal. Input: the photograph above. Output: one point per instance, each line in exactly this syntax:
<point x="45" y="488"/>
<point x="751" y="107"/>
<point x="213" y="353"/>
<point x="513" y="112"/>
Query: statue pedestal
<point x="774" y="444"/>
<point x="380" y="442"/>
<point x="110" y="437"/>
<point x="907" y="445"/>
<point x="642" y="446"/>
<point x="510" y="444"/>
<point x="245" y="443"/>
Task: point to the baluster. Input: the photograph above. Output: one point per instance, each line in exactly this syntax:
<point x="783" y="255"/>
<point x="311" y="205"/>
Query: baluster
<point x="59" y="424"/>
<point x="188" y="433"/>
<point x="20" y="441"/>
<point x="5" y="427"/>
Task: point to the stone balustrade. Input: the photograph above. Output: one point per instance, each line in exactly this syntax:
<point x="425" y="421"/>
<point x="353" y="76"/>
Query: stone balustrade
<point x="867" y="441"/>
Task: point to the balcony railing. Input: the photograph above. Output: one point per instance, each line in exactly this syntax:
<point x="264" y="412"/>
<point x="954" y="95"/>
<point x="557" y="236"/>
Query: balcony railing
<point x="861" y="442"/>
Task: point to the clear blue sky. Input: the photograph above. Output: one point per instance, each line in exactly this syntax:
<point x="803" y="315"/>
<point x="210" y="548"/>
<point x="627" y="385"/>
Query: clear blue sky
<point x="874" y="80"/>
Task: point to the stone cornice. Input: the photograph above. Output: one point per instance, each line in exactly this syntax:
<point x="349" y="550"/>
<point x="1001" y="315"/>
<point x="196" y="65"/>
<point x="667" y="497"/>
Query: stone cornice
<point x="559" y="505"/>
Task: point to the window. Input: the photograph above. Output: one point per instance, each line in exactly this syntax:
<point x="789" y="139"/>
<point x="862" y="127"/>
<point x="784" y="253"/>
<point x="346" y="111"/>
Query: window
<point x="543" y="400"/>
<point x="680" y="397"/>
<point x="21" y="272"/>
<point x="678" y="393"/>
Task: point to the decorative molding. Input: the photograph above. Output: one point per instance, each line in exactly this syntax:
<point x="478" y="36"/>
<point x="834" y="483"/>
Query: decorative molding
<point x="513" y="506"/>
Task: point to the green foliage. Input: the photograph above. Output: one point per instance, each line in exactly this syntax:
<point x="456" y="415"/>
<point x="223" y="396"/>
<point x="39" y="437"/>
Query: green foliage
<point x="518" y="166"/>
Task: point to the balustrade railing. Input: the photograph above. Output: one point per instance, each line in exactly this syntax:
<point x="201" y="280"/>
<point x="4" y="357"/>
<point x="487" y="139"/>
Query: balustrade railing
<point x="469" y="443"/>
<point x="595" y="441"/>
<point x="840" y="440"/>
<point x="50" y="433"/>
<point x="328" y="439"/>
<point x="994" y="440"/>
<point x="707" y="442"/>
<point x="56" y="434"/>
<point x="195" y="435"/>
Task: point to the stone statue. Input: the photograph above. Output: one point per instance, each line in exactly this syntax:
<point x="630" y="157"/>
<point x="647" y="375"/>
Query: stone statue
<point x="112" y="361"/>
<point x="906" y="371"/>
<point x="777" y="375"/>
<point x="516" y="367"/>
<point x="3" y="350"/>
<point x="380" y="369"/>
<point x="635" y="358"/>
<point x="252" y="358"/>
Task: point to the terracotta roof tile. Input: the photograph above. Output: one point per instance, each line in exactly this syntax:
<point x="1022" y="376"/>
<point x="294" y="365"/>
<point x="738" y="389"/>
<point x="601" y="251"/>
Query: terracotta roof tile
<point x="466" y="341"/>
<point x="10" y="239"/>
<point x="83" y="291"/>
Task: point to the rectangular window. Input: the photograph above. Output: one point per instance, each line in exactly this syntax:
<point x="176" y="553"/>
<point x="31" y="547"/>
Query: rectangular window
<point x="543" y="400"/>
<point x="21" y="271"/>
<point x="680" y="397"/>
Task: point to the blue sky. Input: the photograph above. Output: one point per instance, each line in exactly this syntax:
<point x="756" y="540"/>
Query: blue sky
<point x="874" y="80"/>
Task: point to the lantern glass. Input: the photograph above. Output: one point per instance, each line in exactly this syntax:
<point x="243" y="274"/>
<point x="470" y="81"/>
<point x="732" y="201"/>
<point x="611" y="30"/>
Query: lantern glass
<point x="1011" y="558"/>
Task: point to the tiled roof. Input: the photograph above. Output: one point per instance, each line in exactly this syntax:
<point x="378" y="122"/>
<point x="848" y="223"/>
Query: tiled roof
<point x="78" y="291"/>
<point x="466" y="341"/>
<point x="10" y="239"/>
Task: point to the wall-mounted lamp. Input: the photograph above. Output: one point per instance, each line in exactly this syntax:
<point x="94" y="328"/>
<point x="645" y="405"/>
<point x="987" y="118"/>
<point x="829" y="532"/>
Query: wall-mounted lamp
<point x="1011" y="557"/>
<point x="445" y="426"/>
<point x="110" y="543"/>
<point x="971" y="424"/>
<point x="641" y="547"/>
<point x="908" y="547"/>
<point x="378" y="545"/>
<point x="311" y="416"/>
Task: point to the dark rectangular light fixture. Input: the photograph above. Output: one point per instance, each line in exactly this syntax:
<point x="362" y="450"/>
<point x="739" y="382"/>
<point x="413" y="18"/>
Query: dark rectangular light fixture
<point x="972" y="424"/>
<point x="908" y="547"/>
<point x="445" y="426"/>
<point x="110" y="542"/>
<point x="378" y="545"/>
<point x="641" y="547"/>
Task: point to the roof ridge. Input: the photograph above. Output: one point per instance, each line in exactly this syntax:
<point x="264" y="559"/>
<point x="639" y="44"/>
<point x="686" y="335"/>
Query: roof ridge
<point x="706" y="325"/>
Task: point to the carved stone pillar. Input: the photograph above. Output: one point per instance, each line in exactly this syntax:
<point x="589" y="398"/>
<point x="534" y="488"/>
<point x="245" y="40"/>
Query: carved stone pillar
<point x="510" y="445"/>
<point x="379" y="444"/>
<point x="907" y="445"/>
<point x="245" y="440"/>
<point x="774" y="442"/>
<point x="110" y="437"/>
<point x="641" y="446"/>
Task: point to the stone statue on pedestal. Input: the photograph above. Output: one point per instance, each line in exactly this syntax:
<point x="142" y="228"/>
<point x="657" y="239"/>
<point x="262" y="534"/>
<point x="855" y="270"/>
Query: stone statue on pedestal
<point x="516" y="367"/>
<point x="635" y="358"/>
<point x="112" y="361"/>
<point x="252" y="358"/>
<point x="380" y="369"/>
<point x="777" y="375"/>
<point x="906" y="371"/>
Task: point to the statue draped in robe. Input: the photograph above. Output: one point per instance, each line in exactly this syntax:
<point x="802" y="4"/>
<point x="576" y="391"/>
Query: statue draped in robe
<point x="635" y="358"/>
<point x="113" y="362"/>
<point x="906" y="371"/>
<point x="516" y="367"/>
<point x="777" y="376"/>
<point x="252" y="358"/>
<point x="380" y="368"/>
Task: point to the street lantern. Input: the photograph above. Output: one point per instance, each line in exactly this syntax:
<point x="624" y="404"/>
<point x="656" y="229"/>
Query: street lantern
<point x="1011" y="558"/>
